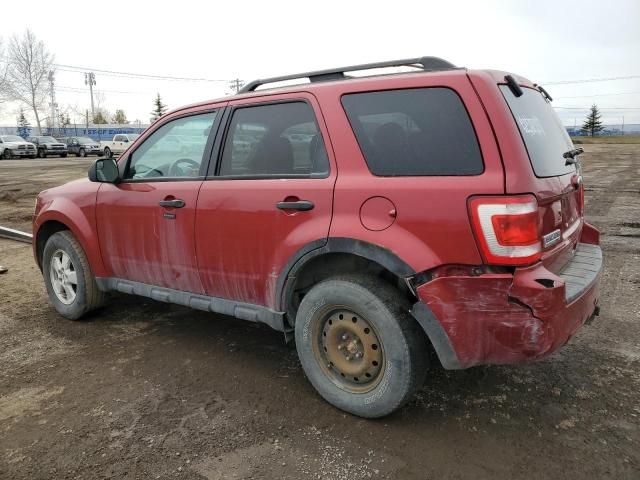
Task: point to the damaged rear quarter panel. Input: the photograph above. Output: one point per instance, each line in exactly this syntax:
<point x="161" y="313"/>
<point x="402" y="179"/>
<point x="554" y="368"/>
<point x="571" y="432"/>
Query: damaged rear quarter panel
<point x="484" y="326"/>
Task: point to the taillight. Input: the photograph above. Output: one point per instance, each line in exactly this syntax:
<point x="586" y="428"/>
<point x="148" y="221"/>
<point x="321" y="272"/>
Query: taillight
<point x="507" y="229"/>
<point x="581" y="199"/>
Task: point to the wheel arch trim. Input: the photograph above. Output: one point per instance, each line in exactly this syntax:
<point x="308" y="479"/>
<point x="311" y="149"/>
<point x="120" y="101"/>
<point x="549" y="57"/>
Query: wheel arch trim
<point x="375" y="253"/>
<point x="80" y="228"/>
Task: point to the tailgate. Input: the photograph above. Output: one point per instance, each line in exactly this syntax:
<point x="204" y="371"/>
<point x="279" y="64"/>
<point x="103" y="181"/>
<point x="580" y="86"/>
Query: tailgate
<point x="556" y="182"/>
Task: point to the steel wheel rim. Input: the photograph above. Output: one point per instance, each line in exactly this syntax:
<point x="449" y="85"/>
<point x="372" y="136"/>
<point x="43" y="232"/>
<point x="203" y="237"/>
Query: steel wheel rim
<point x="349" y="350"/>
<point x="64" y="277"/>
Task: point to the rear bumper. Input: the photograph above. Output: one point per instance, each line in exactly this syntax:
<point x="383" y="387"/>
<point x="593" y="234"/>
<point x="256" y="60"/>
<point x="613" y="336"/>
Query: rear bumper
<point x="510" y="318"/>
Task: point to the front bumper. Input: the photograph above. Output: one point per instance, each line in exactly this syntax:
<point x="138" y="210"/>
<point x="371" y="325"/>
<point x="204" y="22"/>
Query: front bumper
<point x="27" y="152"/>
<point x="56" y="151"/>
<point x="92" y="150"/>
<point x="510" y="318"/>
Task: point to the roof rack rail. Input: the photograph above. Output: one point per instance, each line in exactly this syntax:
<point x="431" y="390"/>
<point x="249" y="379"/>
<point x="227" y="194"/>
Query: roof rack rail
<point x="426" y="63"/>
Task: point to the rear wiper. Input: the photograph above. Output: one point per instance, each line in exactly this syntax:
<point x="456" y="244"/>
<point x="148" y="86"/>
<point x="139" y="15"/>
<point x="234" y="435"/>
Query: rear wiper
<point x="571" y="155"/>
<point x="543" y="92"/>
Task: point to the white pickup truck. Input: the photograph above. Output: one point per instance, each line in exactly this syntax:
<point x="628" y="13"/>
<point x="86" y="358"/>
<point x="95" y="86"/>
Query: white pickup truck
<point x="118" y="145"/>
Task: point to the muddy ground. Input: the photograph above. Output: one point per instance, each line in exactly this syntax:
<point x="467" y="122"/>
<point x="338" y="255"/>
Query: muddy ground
<point x="146" y="390"/>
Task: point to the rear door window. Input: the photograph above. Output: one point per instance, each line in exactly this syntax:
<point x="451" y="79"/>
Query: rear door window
<point x="281" y="139"/>
<point x="414" y="132"/>
<point x="542" y="131"/>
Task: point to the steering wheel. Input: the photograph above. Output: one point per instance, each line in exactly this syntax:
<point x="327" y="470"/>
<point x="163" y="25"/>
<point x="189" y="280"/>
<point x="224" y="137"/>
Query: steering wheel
<point x="143" y="171"/>
<point x="176" y="171"/>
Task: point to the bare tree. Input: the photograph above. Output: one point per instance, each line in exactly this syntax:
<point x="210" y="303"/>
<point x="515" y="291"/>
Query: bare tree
<point x="30" y="64"/>
<point x="4" y="71"/>
<point x="101" y="112"/>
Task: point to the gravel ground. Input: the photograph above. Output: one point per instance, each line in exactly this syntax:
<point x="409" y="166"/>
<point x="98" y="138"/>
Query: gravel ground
<point x="146" y="390"/>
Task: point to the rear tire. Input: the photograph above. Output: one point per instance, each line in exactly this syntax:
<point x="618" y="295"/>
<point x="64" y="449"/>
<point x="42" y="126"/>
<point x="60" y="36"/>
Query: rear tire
<point x="70" y="283"/>
<point x="64" y="155"/>
<point x="359" y="346"/>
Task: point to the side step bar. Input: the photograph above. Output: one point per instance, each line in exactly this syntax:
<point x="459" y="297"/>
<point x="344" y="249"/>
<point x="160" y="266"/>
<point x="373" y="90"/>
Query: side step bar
<point x="17" y="235"/>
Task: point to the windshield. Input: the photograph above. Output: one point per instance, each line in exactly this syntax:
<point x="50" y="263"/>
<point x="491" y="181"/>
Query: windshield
<point x="85" y="140"/>
<point x="48" y="140"/>
<point x="544" y="135"/>
<point x="12" y="138"/>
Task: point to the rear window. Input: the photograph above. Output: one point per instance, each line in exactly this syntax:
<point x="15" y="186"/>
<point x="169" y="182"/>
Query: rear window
<point x="414" y="132"/>
<point x="544" y="135"/>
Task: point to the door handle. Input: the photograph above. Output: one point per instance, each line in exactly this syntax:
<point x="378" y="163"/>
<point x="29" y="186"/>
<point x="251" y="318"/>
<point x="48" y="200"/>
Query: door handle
<point x="302" y="205"/>
<point x="176" y="203"/>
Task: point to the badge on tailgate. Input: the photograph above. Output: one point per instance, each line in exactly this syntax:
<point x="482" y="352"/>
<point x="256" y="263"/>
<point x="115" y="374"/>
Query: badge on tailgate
<point x="551" y="238"/>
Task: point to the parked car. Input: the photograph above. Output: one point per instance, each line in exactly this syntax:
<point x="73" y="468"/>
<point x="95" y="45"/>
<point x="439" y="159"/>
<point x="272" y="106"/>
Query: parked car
<point x="82" y="146"/>
<point x="46" y="145"/>
<point x="118" y="145"/>
<point x="14" y="146"/>
<point x="440" y="209"/>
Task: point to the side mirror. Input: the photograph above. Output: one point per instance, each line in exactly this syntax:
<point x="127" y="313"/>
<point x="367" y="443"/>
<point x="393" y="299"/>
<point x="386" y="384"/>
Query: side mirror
<point x="104" y="170"/>
<point x="126" y="140"/>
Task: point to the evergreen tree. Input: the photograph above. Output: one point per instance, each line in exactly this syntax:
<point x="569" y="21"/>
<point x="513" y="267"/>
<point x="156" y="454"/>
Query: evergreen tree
<point x="120" y="118"/>
<point x="159" y="108"/>
<point x="592" y="125"/>
<point x="99" y="118"/>
<point x="24" y="127"/>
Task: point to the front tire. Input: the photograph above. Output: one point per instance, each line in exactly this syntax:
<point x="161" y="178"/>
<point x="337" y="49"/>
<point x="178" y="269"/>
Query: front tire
<point x="7" y="154"/>
<point x="359" y="346"/>
<point x="41" y="153"/>
<point x="82" y="153"/>
<point x="70" y="283"/>
<point x="107" y="152"/>
<point x="64" y="155"/>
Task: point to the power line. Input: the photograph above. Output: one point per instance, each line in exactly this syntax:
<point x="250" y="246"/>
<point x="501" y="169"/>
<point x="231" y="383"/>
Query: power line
<point x="602" y="95"/>
<point x="590" y="80"/>
<point x="83" y="90"/>
<point x="76" y="69"/>
<point x="81" y="69"/>
<point x="599" y="108"/>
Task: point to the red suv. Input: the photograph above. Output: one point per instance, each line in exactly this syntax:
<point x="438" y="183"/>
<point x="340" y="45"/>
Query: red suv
<point x="371" y="218"/>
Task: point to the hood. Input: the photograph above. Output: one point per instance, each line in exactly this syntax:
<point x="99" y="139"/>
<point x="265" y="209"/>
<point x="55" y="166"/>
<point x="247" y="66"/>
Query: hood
<point x="69" y="188"/>
<point x="17" y="144"/>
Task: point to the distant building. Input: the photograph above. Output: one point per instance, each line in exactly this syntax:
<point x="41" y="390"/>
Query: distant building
<point x="95" y="132"/>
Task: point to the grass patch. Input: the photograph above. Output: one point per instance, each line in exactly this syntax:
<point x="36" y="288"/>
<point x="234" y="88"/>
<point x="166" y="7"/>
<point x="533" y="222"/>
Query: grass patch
<point x="620" y="139"/>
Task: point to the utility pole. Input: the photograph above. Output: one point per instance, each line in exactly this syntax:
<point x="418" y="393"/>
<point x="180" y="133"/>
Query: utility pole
<point x="90" y="79"/>
<point x="86" y="118"/>
<point x="623" y="125"/>
<point x="236" y="85"/>
<point x="52" y="92"/>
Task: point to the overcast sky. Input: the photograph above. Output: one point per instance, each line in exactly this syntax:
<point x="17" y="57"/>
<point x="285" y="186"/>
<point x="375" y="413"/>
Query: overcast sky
<point x="546" y="41"/>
